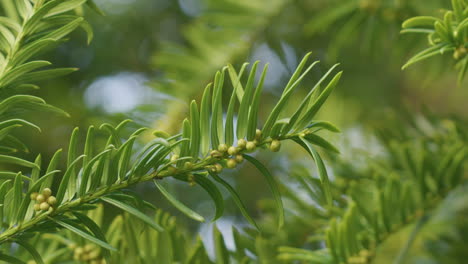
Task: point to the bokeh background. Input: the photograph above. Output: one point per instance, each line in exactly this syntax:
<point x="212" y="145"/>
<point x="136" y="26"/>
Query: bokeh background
<point x="150" y="57"/>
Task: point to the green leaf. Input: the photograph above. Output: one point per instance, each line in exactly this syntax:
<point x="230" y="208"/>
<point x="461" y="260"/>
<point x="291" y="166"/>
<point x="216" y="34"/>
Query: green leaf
<point x="88" y="147"/>
<point x="236" y="80"/>
<point x="185" y="146"/>
<point x="253" y="113"/>
<point x="243" y="113"/>
<point x="315" y="107"/>
<point x="68" y="181"/>
<point x="323" y="125"/>
<point x="18" y="99"/>
<point x="71" y="158"/>
<point x="17" y="196"/>
<point x="205" y="120"/>
<point x="293" y="82"/>
<point x="32" y="251"/>
<point x="229" y="127"/>
<point x="427" y="53"/>
<point x="221" y="252"/>
<point x="321" y="168"/>
<point x="32" y="23"/>
<point x="217" y="133"/>
<point x="124" y="153"/>
<point x="236" y="199"/>
<point x="420" y="21"/>
<point x="273" y="187"/>
<point x="77" y="230"/>
<point x="65" y="30"/>
<point x="87" y="172"/>
<point x="133" y="211"/>
<point x="17" y="161"/>
<point x="305" y="102"/>
<point x="10" y="259"/>
<point x="65" y="7"/>
<point x="52" y="166"/>
<point x="195" y="130"/>
<point x="319" y="141"/>
<point x="91" y="225"/>
<point x="214" y="193"/>
<point x="44" y="75"/>
<point x="32" y="49"/>
<point x="177" y="204"/>
<point x="21" y="71"/>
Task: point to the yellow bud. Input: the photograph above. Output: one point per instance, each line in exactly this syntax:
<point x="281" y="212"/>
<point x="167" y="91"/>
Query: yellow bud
<point x="231" y="163"/>
<point x="44" y="206"/>
<point x="47" y="192"/>
<point x="174" y="157"/>
<point x="171" y="170"/>
<point x="52" y="200"/>
<point x="275" y="145"/>
<point x="241" y="143"/>
<point x="219" y="167"/>
<point x="223" y="147"/>
<point x="34" y="195"/>
<point x="191" y="180"/>
<point x="250" y="146"/>
<point x="40" y="198"/>
<point x="232" y="150"/>
<point x="258" y="134"/>
<point x="188" y="165"/>
<point x="216" y="154"/>
<point x="239" y="158"/>
<point x="94" y="254"/>
<point x="37" y="207"/>
<point x="79" y="250"/>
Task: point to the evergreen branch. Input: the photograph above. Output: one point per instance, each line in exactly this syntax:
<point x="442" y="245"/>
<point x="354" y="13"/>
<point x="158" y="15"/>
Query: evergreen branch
<point x="449" y="34"/>
<point x="106" y="173"/>
<point x="402" y="189"/>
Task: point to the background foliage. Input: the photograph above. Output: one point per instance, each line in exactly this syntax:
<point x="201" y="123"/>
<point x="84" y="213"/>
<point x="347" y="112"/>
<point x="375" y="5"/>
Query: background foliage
<point x="397" y="169"/>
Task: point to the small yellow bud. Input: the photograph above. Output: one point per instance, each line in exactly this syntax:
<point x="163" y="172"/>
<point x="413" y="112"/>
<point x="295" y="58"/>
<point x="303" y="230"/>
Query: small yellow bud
<point x="89" y="247"/>
<point x="94" y="254"/>
<point x="258" y="134"/>
<point x="40" y="198"/>
<point x="223" y="147"/>
<point x="44" y="206"/>
<point x="171" y="170"/>
<point x="52" y="200"/>
<point x="216" y="154"/>
<point x="72" y="246"/>
<point x="275" y="145"/>
<point x="174" y="157"/>
<point x="191" y="179"/>
<point x="219" y="167"/>
<point x="232" y="151"/>
<point x="37" y="207"/>
<point x="79" y="250"/>
<point x="34" y="195"/>
<point x="241" y="143"/>
<point x="188" y="165"/>
<point x="47" y="192"/>
<point x="250" y="146"/>
<point x="239" y="158"/>
<point x="231" y="163"/>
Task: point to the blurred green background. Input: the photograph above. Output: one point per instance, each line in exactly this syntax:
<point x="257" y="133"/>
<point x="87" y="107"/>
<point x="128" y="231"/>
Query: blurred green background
<point x="150" y="57"/>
